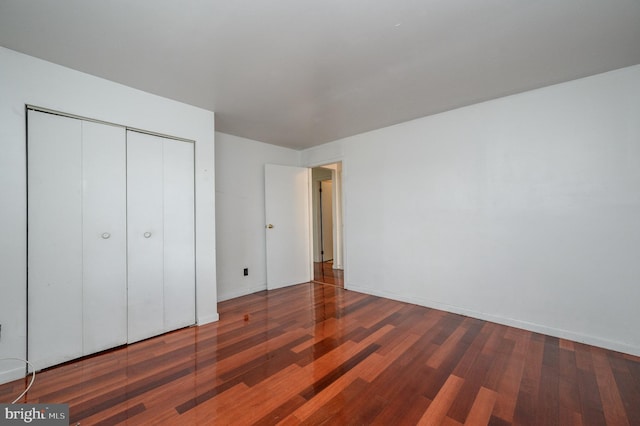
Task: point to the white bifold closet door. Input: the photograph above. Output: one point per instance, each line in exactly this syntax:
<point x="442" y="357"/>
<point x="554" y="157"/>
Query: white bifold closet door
<point x="104" y="248"/>
<point x="111" y="247"/>
<point x="76" y="238"/>
<point x="160" y="215"/>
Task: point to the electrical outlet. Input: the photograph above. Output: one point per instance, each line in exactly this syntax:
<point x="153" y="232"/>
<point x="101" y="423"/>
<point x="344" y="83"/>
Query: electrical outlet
<point x="246" y="271"/>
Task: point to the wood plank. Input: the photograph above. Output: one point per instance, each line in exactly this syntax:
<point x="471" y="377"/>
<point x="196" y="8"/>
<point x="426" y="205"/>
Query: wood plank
<point x="612" y="404"/>
<point x="509" y="385"/>
<point x="548" y="412"/>
<point x="527" y="404"/>
<point x="437" y="411"/>
<point x="590" y="401"/>
<point x="629" y="388"/>
<point x="480" y="412"/>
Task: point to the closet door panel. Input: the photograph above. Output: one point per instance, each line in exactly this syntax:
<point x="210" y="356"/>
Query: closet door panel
<point x="179" y="243"/>
<point x="145" y="235"/>
<point x="104" y="236"/>
<point x="54" y="239"/>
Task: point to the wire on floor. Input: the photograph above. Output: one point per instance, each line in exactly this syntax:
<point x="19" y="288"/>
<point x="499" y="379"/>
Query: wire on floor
<point x="33" y="377"/>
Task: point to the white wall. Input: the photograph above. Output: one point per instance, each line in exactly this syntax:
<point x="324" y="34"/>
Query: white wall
<point x="523" y="210"/>
<point x="240" y="215"/>
<point x="27" y="80"/>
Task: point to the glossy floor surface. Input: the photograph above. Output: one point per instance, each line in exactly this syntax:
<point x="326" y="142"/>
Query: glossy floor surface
<point x="318" y="354"/>
<point x="323" y="272"/>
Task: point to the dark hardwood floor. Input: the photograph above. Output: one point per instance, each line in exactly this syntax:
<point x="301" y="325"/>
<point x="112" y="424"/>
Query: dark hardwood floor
<point x="318" y="354"/>
<point x="323" y="272"/>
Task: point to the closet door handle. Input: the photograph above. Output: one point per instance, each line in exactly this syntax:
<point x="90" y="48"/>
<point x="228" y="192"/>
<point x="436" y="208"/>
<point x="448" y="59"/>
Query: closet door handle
<point x="106" y="236"/>
<point x="147" y="234"/>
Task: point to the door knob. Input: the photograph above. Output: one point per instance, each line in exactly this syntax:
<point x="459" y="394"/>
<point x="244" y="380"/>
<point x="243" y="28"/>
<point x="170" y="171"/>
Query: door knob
<point x="147" y="234"/>
<point x="270" y="226"/>
<point x="106" y="236"/>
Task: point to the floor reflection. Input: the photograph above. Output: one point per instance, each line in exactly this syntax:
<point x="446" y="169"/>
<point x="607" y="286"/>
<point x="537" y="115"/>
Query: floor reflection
<point x="323" y="272"/>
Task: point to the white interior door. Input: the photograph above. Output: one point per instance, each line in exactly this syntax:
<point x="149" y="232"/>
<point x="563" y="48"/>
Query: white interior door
<point x="145" y="236"/>
<point x="179" y="238"/>
<point x="288" y="225"/>
<point x="104" y="236"/>
<point x="54" y="239"/>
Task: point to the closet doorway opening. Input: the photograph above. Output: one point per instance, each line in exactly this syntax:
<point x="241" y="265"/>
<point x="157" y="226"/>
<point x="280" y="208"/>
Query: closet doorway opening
<point x="326" y="183"/>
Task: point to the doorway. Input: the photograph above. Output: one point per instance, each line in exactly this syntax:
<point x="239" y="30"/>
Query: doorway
<point x="327" y="224"/>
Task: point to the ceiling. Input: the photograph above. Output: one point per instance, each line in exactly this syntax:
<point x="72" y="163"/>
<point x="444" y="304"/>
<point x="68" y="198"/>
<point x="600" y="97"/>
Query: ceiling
<point x="299" y="73"/>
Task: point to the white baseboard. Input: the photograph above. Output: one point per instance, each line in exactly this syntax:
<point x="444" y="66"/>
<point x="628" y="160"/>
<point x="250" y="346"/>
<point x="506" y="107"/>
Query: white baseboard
<point x="208" y="319"/>
<point x="512" y="322"/>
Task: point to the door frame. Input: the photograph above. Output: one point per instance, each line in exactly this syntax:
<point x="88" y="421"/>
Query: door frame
<point x="340" y="240"/>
